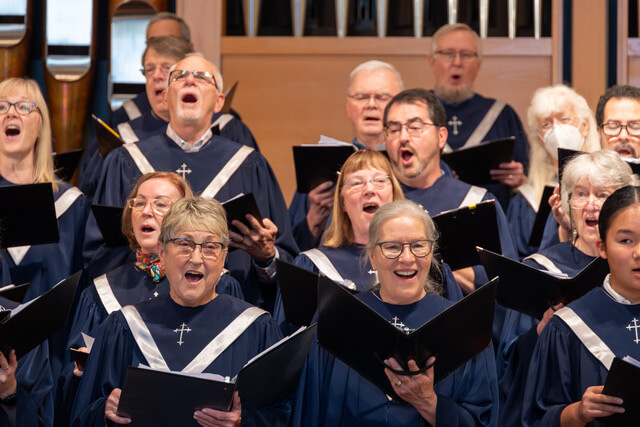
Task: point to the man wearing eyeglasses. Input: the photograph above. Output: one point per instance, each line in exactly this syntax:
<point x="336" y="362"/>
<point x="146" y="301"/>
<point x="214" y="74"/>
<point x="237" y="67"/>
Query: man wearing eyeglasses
<point x="215" y="167"/>
<point x="618" y="118"/>
<point x="455" y="58"/>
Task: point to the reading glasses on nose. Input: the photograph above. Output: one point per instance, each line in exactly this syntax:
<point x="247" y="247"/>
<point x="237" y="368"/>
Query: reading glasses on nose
<point x="199" y="76"/>
<point x="564" y="120"/>
<point x="24" y="108"/>
<point x="415" y="128"/>
<point x="364" y="98"/>
<point x="160" y="205"/>
<point x="615" y="128"/>
<point x="450" y="54"/>
<point x="187" y="246"/>
<point x="580" y="201"/>
<point x="419" y="248"/>
<point x="379" y="182"/>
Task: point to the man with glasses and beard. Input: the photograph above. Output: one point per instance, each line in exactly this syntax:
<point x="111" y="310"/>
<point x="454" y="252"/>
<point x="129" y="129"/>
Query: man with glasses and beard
<point x="618" y="118"/>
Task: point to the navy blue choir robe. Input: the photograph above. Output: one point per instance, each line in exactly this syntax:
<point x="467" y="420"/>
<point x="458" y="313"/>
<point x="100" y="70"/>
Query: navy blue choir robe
<point x="348" y="261"/>
<point x="550" y="235"/>
<point x="468" y="114"/>
<point x="448" y="193"/>
<point x="120" y="115"/>
<point x="561" y="365"/>
<point x="45" y="265"/>
<point x="253" y="176"/>
<point x="115" y="348"/>
<point x="126" y="285"/>
<point x="519" y="336"/>
<point x="521" y="216"/>
<point x="332" y="394"/>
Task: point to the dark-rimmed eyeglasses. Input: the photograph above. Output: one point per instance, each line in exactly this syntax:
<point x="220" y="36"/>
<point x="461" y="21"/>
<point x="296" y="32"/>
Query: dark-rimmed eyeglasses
<point x="199" y="76"/>
<point x="419" y="248"/>
<point x="160" y="205"/>
<point x="450" y="54"/>
<point x="187" y="246"/>
<point x="614" y="128"/>
<point x="24" y="108"/>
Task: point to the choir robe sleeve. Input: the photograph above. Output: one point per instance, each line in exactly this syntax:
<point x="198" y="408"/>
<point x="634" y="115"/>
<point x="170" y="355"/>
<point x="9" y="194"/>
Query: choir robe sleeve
<point x="561" y="369"/>
<point x="451" y="288"/>
<point x="520" y="217"/>
<point x="34" y="390"/>
<point x="550" y="235"/>
<point x="90" y="169"/>
<point x="87" y="318"/>
<point x="235" y="130"/>
<point x="118" y="177"/>
<point x="298" y="214"/>
<point x="229" y="286"/>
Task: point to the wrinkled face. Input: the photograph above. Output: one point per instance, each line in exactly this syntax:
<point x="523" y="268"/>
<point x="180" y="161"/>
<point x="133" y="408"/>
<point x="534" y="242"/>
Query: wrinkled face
<point x="146" y="222"/>
<point x="156" y="68"/>
<point x="622" y="111"/>
<point x="414" y="157"/>
<point x="566" y="115"/>
<point x="456" y="73"/>
<point x="192" y="278"/>
<point x="622" y="250"/>
<point x="586" y="202"/>
<point x="164" y="27"/>
<point x="369" y="94"/>
<point x="360" y="202"/>
<point x="402" y="280"/>
<point x="193" y="101"/>
<point x="19" y="133"/>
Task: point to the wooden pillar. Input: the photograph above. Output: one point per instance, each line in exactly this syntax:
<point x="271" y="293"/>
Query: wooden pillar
<point x="205" y="21"/>
<point x="589" y="55"/>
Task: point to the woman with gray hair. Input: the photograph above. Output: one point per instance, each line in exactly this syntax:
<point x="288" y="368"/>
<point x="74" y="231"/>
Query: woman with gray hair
<point x="171" y="331"/>
<point x="402" y="240"/>
<point x="558" y="117"/>
<point x="588" y="179"/>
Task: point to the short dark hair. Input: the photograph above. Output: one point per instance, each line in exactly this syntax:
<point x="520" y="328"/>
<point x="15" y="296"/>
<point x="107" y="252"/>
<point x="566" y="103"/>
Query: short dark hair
<point x="418" y="95"/>
<point x="169" y="46"/>
<point x="621" y="199"/>
<point x="617" y="91"/>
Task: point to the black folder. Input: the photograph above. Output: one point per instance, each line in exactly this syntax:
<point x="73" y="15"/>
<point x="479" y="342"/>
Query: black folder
<point x="151" y="397"/>
<point x="622" y="381"/>
<point x="65" y="164"/>
<point x="14" y="293"/>
<point x="228" y="98"/>
<point x="363" y="339"/>
<point x="107" y="138"/>
<point x="531" y="291"/>
<point x="27" y="215"/>
<point x="239" y="206"/>
<point x="299" y="292"/>
<point x="541" y="217"/>
<point x="564" y="155"/>
<point x="35" y="321"/>
<point x="633" y="163"/>
<point x="316" y="164"/>
<point x="461" y="230"/>
<point x="473" y="164"/>
<point x="109" y="220"/>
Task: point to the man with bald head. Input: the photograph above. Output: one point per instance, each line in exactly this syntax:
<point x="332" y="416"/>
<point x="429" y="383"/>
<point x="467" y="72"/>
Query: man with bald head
<point x="215" y="167"/>
<point x="372" y="84"/>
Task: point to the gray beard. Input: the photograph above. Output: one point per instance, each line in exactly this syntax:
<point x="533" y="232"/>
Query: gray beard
<point x="453" y="96"/>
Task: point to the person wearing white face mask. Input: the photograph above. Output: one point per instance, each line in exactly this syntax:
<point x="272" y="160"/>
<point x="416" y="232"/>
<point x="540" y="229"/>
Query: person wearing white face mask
<point x="557" y="117"/>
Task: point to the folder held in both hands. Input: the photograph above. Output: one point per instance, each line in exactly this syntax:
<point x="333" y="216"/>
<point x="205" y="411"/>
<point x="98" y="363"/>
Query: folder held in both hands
<point x="152" y="397"/>
<point x="363" y="339"/>
<point x="474" y="163"/>
<point x="531" y="291"/>
<point x="461" y="230"/>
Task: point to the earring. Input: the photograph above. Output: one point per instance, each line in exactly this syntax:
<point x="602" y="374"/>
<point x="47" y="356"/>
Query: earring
<point x="574" y="234"/>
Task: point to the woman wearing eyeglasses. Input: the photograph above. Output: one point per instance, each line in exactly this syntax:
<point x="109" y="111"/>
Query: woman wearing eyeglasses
<point x="365" y="183"/>
<point x="587" y="181"/>
<point x="558" y="117"/>
<point x="401" y="245"/>
<point x="179" y="326"/>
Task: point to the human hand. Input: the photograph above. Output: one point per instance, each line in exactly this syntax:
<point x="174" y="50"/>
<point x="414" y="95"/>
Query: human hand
<point x="211" y="417"/>
<point x="321" y="198"/>
<point x="258" y="241"/>
<point x="111" y="408"/>
<point x="8" y="383"/>
<point x="415" y="389"/>
<point x="593" y="404"/>
<point x="511" y="174"/>
<point x="77" y="371"/>
<point x="548" y="314"/>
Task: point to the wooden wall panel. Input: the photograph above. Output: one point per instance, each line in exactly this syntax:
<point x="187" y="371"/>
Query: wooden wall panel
<point x="293" y="90"/>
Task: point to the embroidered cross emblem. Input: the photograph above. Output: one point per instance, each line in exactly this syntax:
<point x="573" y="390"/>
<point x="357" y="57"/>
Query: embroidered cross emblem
<point x="398" y="324"/>
<point x="455" y="122"/>
<point x="183" y="328"/>
<point x="155" y="294"/>
<point x="634" y="326"/>
<point x="184" y="170"/>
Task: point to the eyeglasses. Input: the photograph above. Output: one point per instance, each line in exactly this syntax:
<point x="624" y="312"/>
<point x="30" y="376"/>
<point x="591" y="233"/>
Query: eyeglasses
<point x="199" y="76"/>
<point x="149" y="70"/>
<point x="415" y="128"/>
<point x="419" y="248"/>
<point x="450" y="54"/>
<point x="364" y="98"/>
<point x="548" y="124"/>
<point x="378" y="182"/>
<point x="186" y="247"/>
<point x="580" y="199"/>
<point x="24" y="108"/>
<point x="614" y="128"/>
<point x="159" y="205"/>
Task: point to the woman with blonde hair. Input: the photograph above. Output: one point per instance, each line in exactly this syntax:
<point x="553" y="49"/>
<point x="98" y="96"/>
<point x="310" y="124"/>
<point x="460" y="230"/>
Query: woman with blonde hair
<point x="558" y="117"/>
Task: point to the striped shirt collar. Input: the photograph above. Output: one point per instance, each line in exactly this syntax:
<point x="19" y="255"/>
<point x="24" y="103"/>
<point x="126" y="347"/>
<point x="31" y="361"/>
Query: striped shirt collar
<point x="186" y="147"/>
